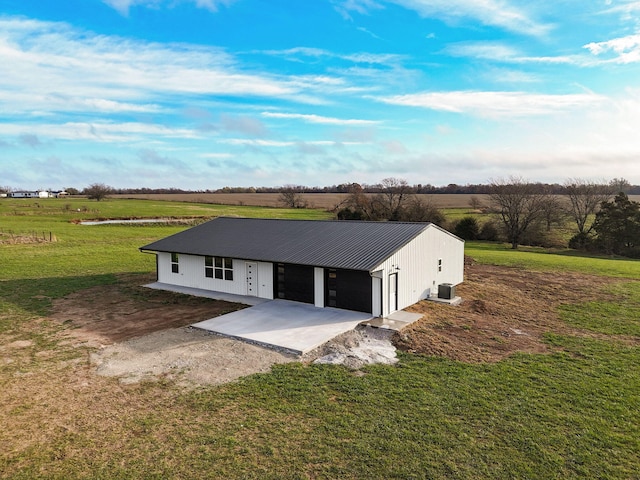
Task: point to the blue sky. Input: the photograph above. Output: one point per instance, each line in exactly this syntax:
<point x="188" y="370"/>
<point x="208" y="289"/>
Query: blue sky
<point x="201" y="94"/>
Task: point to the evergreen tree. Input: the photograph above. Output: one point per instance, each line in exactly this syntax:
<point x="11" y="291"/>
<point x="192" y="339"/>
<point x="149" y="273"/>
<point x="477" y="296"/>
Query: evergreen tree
<point x="617" y="226"/>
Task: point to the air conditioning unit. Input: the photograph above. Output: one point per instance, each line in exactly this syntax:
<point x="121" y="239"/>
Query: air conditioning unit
<point x="446" y="291"/>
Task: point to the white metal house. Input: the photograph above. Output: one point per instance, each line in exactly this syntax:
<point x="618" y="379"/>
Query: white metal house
<point x="374" y="267"/>
<point x="30" y="194"/>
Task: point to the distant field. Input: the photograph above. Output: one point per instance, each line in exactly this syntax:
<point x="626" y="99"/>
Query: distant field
<point x="326" y="201"/>
<point x="316" y="200"/>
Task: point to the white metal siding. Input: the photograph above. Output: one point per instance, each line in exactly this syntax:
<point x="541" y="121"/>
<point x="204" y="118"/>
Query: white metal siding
<point x="376" y="294"/>
<point x="191" y="274"/>
<point x="318" y="287"/>
<point x="417" y="267"/>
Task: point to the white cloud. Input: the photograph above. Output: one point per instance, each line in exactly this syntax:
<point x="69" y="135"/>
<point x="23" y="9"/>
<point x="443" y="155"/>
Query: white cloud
<point x="501" y="52"/>
<point x="622" y="50"/>
<point x="106" y="132"/>
<point x="627" y="9"/>
<point x="312" y="118"/>
<point x="497" y="13"/>
<point x="295" y="54"/>
<point x="280" y="143"/>
<point x="50" y="67"/>
<point x="345" y="7"/>
<point x="123" y="6"/>
<point x="494" y="104"/>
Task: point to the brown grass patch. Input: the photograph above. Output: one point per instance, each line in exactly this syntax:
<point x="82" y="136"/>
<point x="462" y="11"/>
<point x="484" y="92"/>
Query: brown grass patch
<point x="107" y="314"/>
<point x="504" y="310"/>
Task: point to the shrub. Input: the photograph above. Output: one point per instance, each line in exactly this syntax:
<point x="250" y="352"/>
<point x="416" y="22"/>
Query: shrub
<point x="489" y="232"/>
<point x="349" y="214"/>
<point x="581" y="241"/>
<point x="467" y="229"/>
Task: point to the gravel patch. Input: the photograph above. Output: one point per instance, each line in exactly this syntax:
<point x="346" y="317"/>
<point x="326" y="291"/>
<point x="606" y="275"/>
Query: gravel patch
<point x="194" y="357"/>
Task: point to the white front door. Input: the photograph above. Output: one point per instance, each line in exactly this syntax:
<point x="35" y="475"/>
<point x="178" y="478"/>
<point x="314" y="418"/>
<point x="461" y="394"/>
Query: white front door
<point x="252" y="279"/>
<point x="393" y="292"/>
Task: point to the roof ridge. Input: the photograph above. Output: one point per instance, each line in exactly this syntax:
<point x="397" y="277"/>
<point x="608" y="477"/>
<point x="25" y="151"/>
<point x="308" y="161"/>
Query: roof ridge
<point x="332" y="220"/>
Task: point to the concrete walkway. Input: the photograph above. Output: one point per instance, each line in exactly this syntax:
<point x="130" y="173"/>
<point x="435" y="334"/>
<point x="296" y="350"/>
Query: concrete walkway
<point x="396" y="321"/>
<point x="198" y="292"/>
<point x="298" y="327"/>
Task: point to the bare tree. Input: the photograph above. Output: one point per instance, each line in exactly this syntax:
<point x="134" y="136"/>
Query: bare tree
<point x="395" y="201"/>
<point x="552" y="211"/>
<point x="393" y="196"/>
<point x="360" y="206"/>
<point x="585" y="198"/>
<point x="422" y="209"/>
<point x="291" y="197"/>
<point x="619" y="185"/>
<point x="519" y="203"/>
<point x="97" y="191"/>
<point x="475" y="203"/>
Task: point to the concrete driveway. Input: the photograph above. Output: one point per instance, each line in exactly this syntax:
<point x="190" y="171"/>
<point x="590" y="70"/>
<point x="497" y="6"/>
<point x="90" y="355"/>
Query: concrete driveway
<point x="298" y="327"/>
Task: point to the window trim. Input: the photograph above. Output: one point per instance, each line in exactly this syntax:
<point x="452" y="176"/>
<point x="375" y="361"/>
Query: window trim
<point x="175" y="263"/>
<point x="222" y="268"/>
<point x="208" y="266"/>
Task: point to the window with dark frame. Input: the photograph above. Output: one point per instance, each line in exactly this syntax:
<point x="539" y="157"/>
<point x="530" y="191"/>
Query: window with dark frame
<point x="222" y="268"/>
<point x="175" y="268"/>
<point x="281" y="284"/>
<point x="208" y="267"/>
<point x="332" y="287"/>
<point x="439" y="265"/>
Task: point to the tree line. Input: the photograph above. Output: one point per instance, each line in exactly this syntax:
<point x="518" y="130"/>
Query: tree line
<point x="452" y="188"/>
<point x="522" y="212"/>
<point x="604" y="218"/>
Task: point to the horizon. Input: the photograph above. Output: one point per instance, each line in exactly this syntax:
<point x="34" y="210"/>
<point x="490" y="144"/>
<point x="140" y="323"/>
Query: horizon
<point x="203" y="94"/>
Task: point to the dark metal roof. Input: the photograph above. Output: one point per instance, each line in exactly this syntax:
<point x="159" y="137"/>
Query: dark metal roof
<point x="331" y="244"/>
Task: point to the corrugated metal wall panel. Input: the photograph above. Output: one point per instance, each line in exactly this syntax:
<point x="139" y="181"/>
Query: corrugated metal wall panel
<point x="192" y="274"/>
<point x="417" y="267"/>
<point x="318" y="286"/>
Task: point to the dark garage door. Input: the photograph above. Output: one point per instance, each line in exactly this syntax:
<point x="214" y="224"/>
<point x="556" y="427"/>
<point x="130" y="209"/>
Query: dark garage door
<point x="348" y="289"/>
<point x="293" y="282"/>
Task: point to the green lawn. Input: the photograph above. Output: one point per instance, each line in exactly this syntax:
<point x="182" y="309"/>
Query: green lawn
<point x="571" y="414"/>
<point x="94" y="250"/>
<point x="541" y="259"/>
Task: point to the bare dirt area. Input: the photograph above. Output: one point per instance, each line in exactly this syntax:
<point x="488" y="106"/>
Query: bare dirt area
<point x="186" y="355"/>
<point x="504" y="310"/>
<point x="106" y="314"/>
<point x="138" y="333"/>
<point x="143" y="334"/>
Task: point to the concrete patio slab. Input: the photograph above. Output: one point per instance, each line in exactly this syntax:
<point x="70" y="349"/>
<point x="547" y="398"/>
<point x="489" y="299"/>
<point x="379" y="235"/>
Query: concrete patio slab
<point x="455" y="301"/>
<point x="298" y="327"/>
<point x="396" y="321"/>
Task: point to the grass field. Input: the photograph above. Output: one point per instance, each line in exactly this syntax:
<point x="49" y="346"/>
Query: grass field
<point x="569" y="414"/>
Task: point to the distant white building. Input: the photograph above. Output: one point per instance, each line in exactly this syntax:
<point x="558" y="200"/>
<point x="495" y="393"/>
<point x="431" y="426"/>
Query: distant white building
<point x="30" y="194"/>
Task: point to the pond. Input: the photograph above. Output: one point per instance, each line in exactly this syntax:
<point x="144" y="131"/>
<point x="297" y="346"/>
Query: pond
<point x="133" y="220"/>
